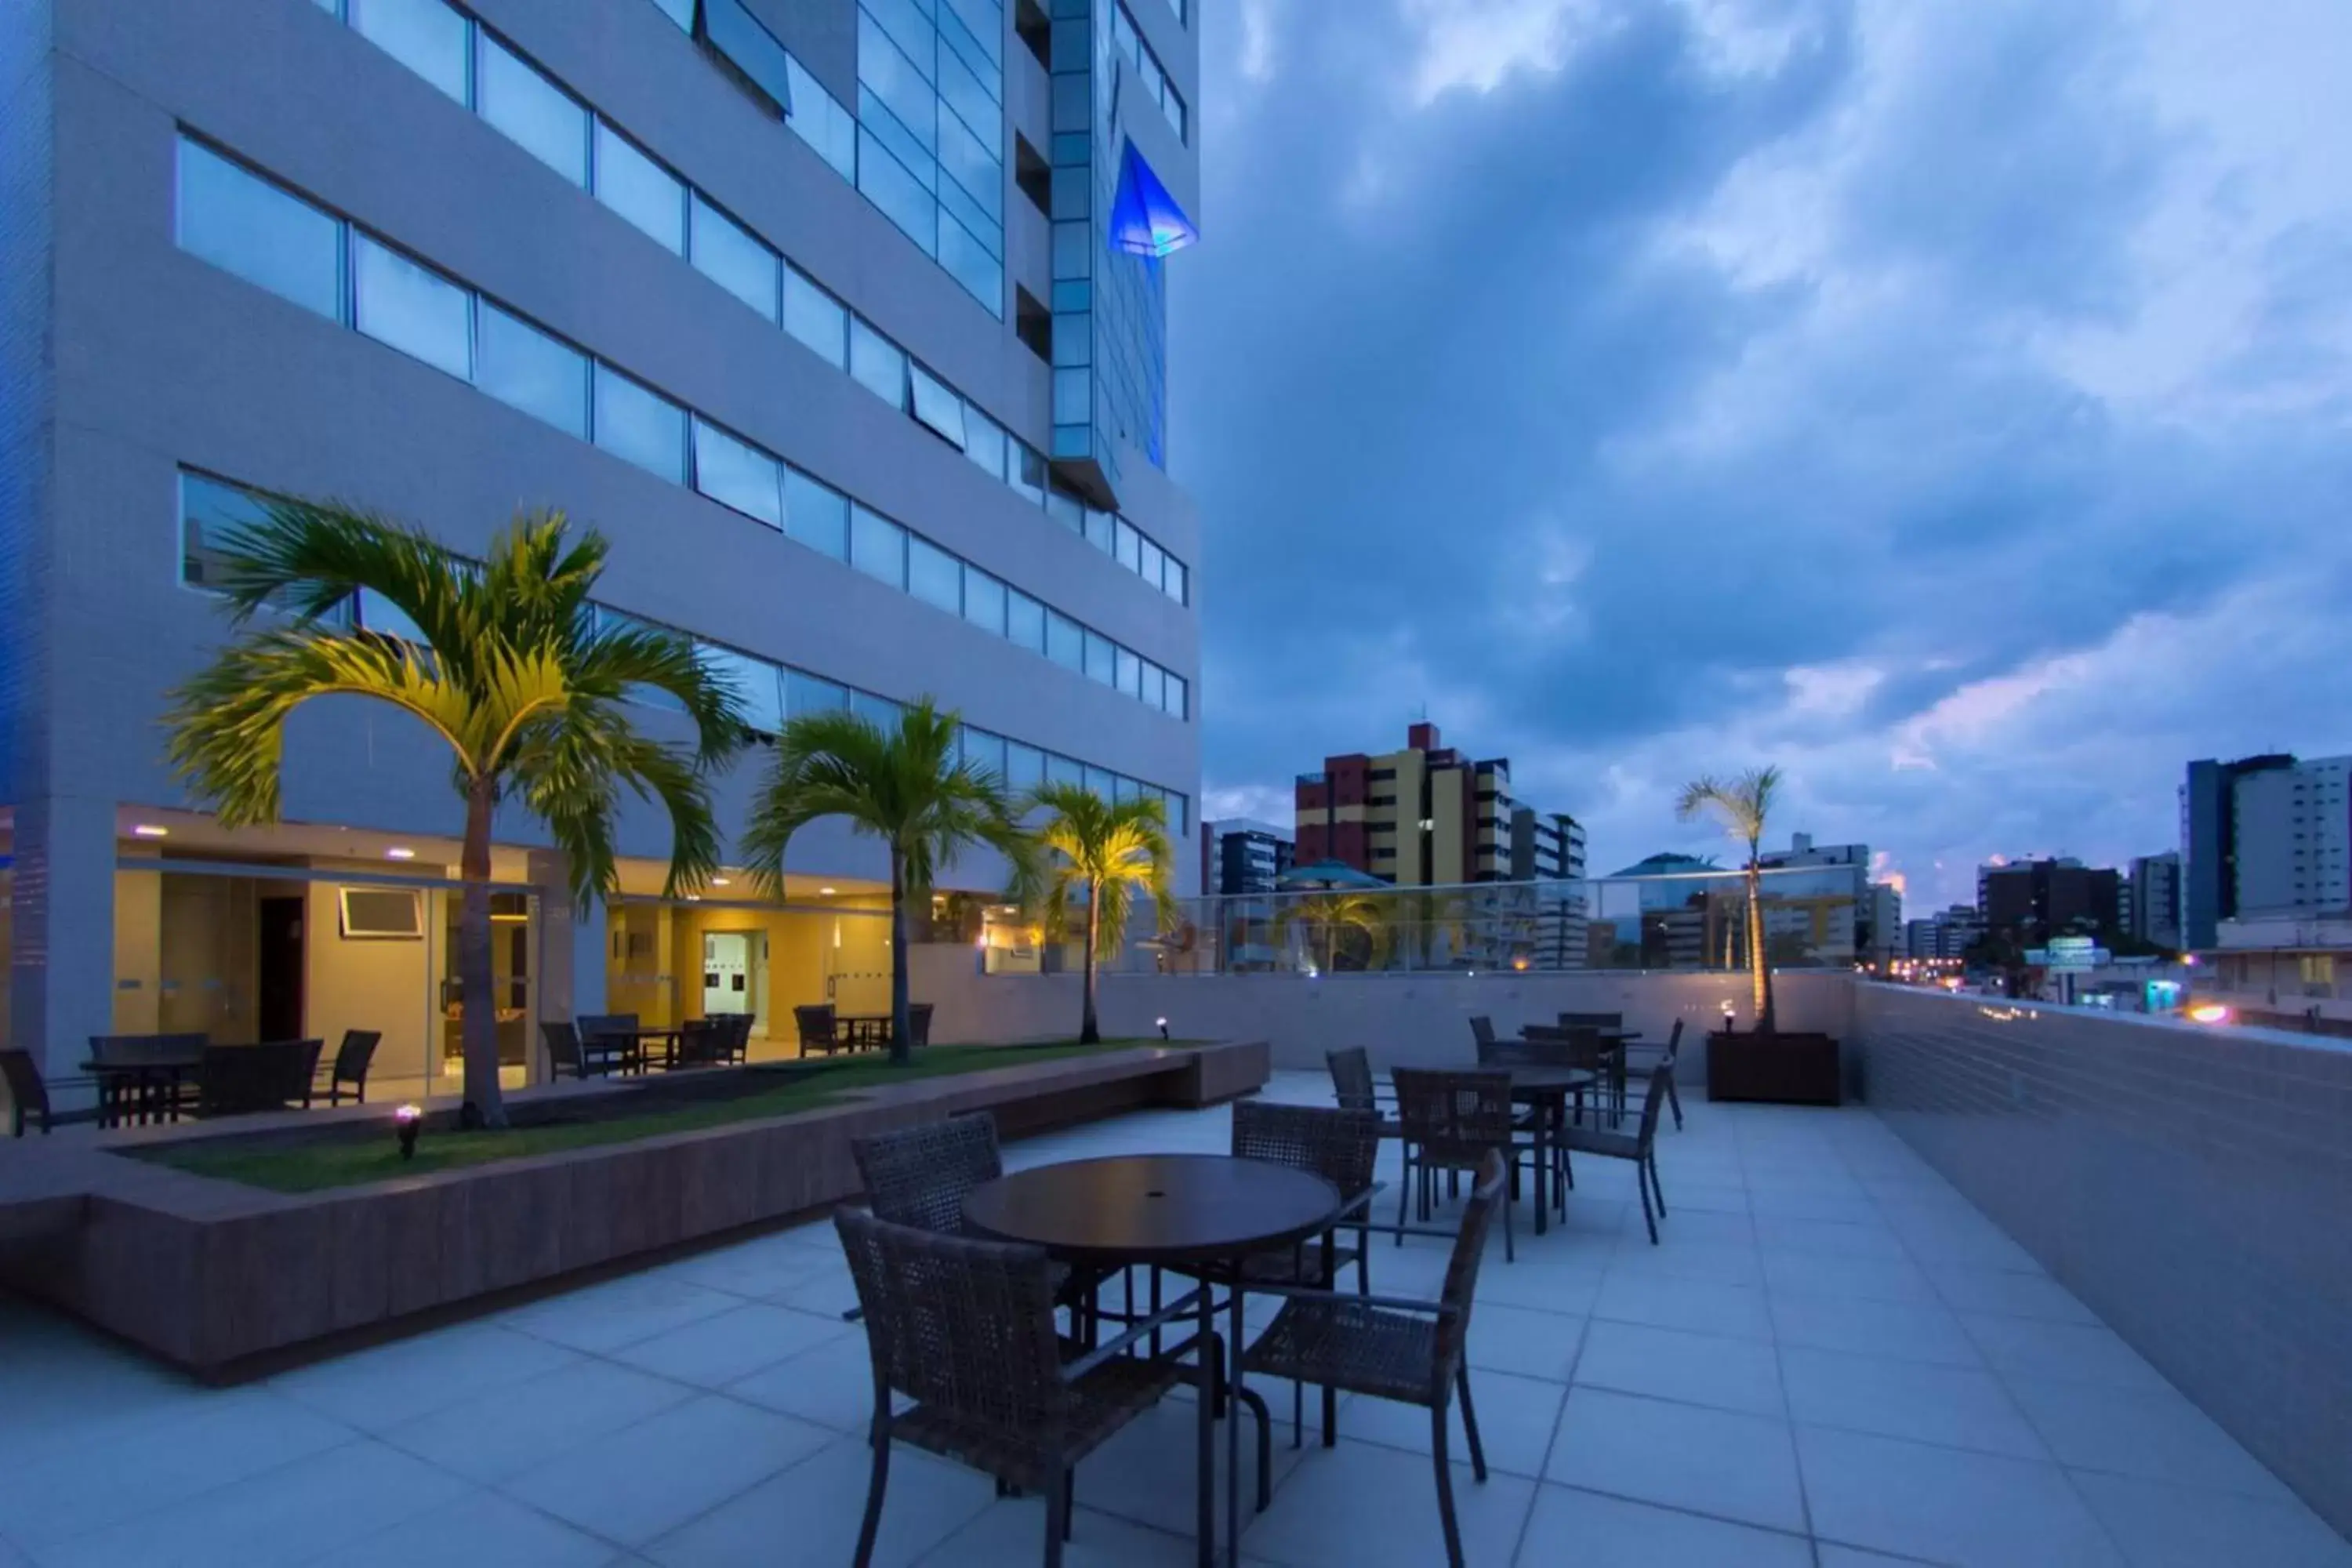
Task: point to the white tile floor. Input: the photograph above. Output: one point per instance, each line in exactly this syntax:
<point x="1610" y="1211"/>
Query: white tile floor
<point x="1831" y="1359"/>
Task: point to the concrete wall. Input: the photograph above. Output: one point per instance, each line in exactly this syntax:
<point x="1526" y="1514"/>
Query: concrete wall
<point x="2191" y="1185"/>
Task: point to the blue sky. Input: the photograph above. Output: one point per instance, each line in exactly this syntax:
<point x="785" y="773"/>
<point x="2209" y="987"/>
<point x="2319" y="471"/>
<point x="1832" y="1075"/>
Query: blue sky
<point x="1948" y="400"/>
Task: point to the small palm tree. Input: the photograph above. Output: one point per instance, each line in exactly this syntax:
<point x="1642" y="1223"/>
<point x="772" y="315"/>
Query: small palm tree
<point x="1108" y="851"/>
<point x="904" y="786"/>
<point x="1741" y="806"/>
<point x="516" y="674"/>
<point x="1329" y="915"/>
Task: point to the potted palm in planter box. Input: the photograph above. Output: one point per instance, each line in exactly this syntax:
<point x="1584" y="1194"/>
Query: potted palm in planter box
<point x="1765" y="1064"/>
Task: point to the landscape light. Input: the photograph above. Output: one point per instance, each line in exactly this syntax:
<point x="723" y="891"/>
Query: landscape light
<point x="1163" y="1028"/>
<point x="407" y="1122"/>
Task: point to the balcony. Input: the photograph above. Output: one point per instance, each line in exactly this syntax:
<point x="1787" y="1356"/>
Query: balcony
<point x="2068" y="1288"/>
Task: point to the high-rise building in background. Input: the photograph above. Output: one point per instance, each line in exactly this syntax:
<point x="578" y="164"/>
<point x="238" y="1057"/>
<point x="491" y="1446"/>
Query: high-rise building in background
<point x="2028" y="901"/>
<point x="1546" y="846"/>
<point x="1948" y="934"/>
<point x="2264" y="836"/>
<point x="844" y="320"/>
<point x="1424" y="816"/>
<point x="1883" y="935"/>
<point x="2154" y="894"/>
<point x="1240" y="857"/>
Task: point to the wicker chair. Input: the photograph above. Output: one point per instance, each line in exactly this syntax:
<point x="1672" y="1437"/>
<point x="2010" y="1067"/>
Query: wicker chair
<point x="1615" y="1052"/>
<point x="919" y="1176"/>
<point x="237" y="1079"/>
<point x="819" y="1030"/>
<point x="608" y="1043"/>
<point x="918" y="1024"/>
<point x="1640" y="1146"/>
<point x="352" y="1059"/>
<point x="1452" y="1122"/>
<point x="1482" y="1031"/>
<point x="28" y="1095"/>
<point x="561" y="1039"/>
<point x="1671" y="1050"/>
<point x="965" y="1328"/>
<point x="1410" y="1352"/>
<point x="1353" y="1087"/>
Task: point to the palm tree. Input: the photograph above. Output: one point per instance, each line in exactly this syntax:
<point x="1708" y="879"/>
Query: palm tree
<point x="1329" y="914"/>
<point x="1741" y="806"/>
<point x="516" y="673"/>
<point x="1107" y="850"/>
<point x="904" y="786"/>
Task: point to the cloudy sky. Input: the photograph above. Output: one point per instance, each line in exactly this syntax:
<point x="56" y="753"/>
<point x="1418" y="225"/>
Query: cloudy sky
<point x="1944" y="399"/>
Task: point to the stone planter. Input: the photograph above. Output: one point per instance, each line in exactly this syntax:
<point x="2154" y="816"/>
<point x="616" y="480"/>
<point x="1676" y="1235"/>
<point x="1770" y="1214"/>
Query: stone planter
<point x="1774" y="1069"/>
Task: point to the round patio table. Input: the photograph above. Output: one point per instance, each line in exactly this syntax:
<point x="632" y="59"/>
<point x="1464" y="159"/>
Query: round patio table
<point x="1169" y="1210"/>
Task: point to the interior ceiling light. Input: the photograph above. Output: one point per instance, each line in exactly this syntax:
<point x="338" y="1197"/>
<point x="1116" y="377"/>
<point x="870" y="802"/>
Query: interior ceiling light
<point x="151" y="830"/>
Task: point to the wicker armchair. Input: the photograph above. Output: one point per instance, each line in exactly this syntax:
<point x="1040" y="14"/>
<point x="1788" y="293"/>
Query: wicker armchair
<point x="1353" y="1087"/>
<point x="819" y="1030"/>
<point x="919" y="1176"/>
<point x="1482" y="1032"/>
<point x="1407" y="1351"/>
<point x="1639" y="1146"/>
<point x="1452" y="1122"/>
<point x="1672" y="1049"/>
<point x="965" y="1328"/>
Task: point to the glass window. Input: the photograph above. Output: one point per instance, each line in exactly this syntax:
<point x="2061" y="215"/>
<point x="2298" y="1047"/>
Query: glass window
<point x="244" y="225"/>
<point x="1065" y="642"/>
<point x="1177" y="582"/>
<point x="1123" y="788"/>
<point x="1024" y="620"/>
<point x="807" y="694"/>
<point x="816" y="514"/>
<point x="934" y="576"/>
<point x="891" y="186"/>
<point x="966" y="97"/>
<point x="635" y="422"/>
<point x="983" y="442"/>
<point x="983" y="600"/>
<point x="425" y="36"/>
<point x="1102" y="532"/>
<point x="878" y="712"/>
<point x="729" y="257"/>
<point x="639" y="189"/>
<point x="817" y="117"/>
<point x="678" y="11"/>
<point x="984" y="750"/>
<point x="208" y="512"/>
<point x="1177" y="694"/>
<point x="534" y="113"/>
<point x="878" y="363"/>
<point x="736" y="475"/>
<point x="1066" y="509"/>
<point x="412" y="308"/>
<point x="1025" y="470"/>
<point x="1155" y="563"/>
<point x="1098" y="780"/>
<point x="1073" y="396"/>
<point x="756" y="682"/>
<point x="878" y="546"/>
<point x="937" y="407"/>
<point x="1102" y="659"/>
<point x="1127" y="672"/>
<point x="891" y="76"/>
<point x="740" y="36"/>
<point x="1025" y="767"/>
<point x="1064" y="769"/>
<point x="1131" y="547"/>
<point x="379" y="615"/>
<point x="1155" y="685"/>
<point x="815" y="318"/>
<point x="519" y="364"/>
<point x="973" y="264"/>
<point x="1176" y="805"/>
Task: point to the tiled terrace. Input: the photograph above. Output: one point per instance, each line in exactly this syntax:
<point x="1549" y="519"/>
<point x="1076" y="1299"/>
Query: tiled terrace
<point x="1831" y="1359"/>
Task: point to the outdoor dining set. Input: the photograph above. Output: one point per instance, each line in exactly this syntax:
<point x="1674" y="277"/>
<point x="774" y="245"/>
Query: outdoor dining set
<point x="142" y="1078"/>
<point x="1030" y="1317"/>
<point x="597" y="1045"/>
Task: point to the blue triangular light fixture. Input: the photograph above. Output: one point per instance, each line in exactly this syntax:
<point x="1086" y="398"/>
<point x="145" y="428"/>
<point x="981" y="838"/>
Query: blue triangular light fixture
<point x="1144" y="218"/>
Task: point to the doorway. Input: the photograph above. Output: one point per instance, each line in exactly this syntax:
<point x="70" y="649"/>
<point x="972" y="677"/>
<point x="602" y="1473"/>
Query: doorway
<point x="278" y="1003"/>
<point x="734" y="978"/>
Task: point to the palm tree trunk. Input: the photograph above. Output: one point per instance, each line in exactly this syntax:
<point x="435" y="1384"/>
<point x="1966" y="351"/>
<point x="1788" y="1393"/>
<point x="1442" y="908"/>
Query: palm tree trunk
<point x="902" y="1044"/>
<point x="1760" y="974"/>
<point x="479" y="1011"/>
<point x="1089" y="1030"/>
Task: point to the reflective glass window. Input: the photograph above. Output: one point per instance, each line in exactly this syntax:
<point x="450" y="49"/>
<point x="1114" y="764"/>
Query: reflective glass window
<point x="534" y="113"/>
<point x="678" y="11"/>
<point x="379" y="615"/>
<point x="1102" y="659"/>
<point x="730" y="257"/>
<point x="878" y="712"/>
<point x="983" y="441"/>
<point x="1179" y="695"/>
<point x="816" y="514"/>
<point x="934" y="576"/>
<point x="984" y="750"/>
<point x="1155" y="685"/>
<point x="1025" y="767"/>
<point x="1025" y="470"/>
<point x="894" y="78"/>
<point x="1102" y="530"/>
<point x="878" y="546"/>
<point x="972" y="264"/>
<point x="816" y="317"/>
<point x="880" y="365"/>
<point x="1098" y="780"/>
<point x="1177" y="582"/>
<point x="1066" y="509"/>
<point x="635" y="422"/>
<point x="244" y="223"/>
<point x="1062" y="770"/>
<point x="741" y="36"/>
<point x="519" y="364"/>
<point x="208" y="512"/>
<point x="983" y="600"/>
<point x="1131" y="547"/>
<point x="425" y="36"/>
<point x="1127" y="672"/>
<point x="1024" y="620"/>
<point x="937" y="407"/>
<point x="412" y="308"/>
<point x="1155" y="563"/>
<point x="808" y="694"/>
<point x="633" y="185"/>
<point x="734" y="474"/>
<point x="891" y="186"/>
<point x="1066" y="641"/>
<point x="756" y="681"/>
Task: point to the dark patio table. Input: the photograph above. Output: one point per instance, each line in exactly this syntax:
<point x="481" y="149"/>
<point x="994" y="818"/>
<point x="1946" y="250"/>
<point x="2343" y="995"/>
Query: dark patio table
<point x="145" y="1087"/>
<point x="1169" y="1210"/>
<point x="863" y="1031"/>
<point x="641" y="1038"/>
<point x="1546" y="1086"/>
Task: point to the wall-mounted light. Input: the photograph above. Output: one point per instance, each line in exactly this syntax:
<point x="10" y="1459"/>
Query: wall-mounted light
<point x="151" y="830"/>
<point x="400" y="852"/>
<point x="825" y="892"/>
<point x="719" y="882"/>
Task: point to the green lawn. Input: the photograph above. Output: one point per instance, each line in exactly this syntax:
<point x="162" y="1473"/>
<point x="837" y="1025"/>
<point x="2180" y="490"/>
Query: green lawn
<point x="340" y="1161"/>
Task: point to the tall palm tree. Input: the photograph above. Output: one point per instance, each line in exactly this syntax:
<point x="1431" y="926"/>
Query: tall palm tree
<point x="1742" y="805"/>
<point x="1109" y="851"/>
<point x="1329" y="914"/>
<point x="902" y="785"/>
<point x="516" y="673"/>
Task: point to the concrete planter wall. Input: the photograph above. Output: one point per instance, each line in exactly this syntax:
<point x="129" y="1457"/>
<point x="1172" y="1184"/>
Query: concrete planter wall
<point x="1780" y="1068"/>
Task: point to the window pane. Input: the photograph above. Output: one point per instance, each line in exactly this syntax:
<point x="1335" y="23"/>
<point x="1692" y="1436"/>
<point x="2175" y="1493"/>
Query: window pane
<point x="1067" y="511"/>
<point x="521" y="365"/>
<point x="817" y="117"/>
<point x="756" y="682"/>
<point x="934" y="576"/>
<point x="1097" y="781"/>
<point x="893" y="77"/>
<point x="208" y="510"/>
<point x="425" y="36"/>
<point x="378" y="613"/>
<point x="878" y="364"/>
<point x="983" y="600"/>
<point x="807" y="694"/>
<point x="1025" y="767"/>
<point x="1025" y="470"/>
<point x="1065" y="644"/>
<point x="417" y="312"/>
<point x="1177" y="583"/>
<point x="246" y="225"/>
<point x="639" y="189"/>
<point x="970" y="263"/>
<point x="732" y="258"/>
<point x="1155" y="563"/>
<point x="889" y="186"/>
<point x="1024" y="620"/>
<point x="1064" y="769"/>
<point x="878" y="712"/>
<point x="536" y="115"/>
<point x="816" y="514"/>
<point x="936" y="406"/>
<point x="1122" y="788"/>
<point x="984" y="750"/>
<point x="1102" y="532"/>
<point x="737" y="475"/>
<point x="878" y="546"/>
<point x="1177" y="694"/>
<point x="815" y="318"/>
<point x="1102" y="660"/>
<point x="983" y="441"/>
<point x="678" y="11"/>
<point x="1155" y="685"/>
<point x="741" y="36"/>
<point x="1126" y="671"/>
<point x="640" y="424"/>
<point x="1131" y="547"/>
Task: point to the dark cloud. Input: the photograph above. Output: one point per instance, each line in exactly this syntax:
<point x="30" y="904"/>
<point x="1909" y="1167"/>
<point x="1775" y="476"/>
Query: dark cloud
<point x="1642" y="414"/>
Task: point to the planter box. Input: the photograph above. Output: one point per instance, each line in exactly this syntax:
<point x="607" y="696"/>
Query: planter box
<point x="1774" y="1069"/>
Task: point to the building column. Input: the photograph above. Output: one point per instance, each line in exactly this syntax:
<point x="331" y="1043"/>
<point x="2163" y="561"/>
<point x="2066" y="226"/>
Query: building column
<point x="61" y="957"/>
<point x="572" y="942"/>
